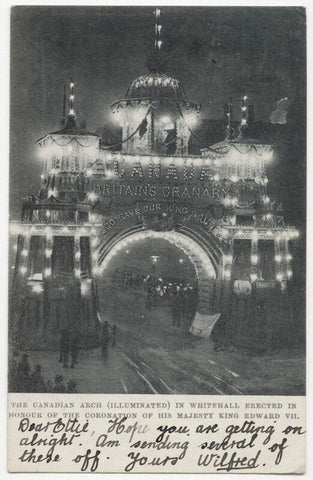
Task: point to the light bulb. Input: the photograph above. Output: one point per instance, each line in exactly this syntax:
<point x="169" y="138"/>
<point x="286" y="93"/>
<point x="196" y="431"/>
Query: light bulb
<point x="254" y="235"/>
<point x="227" y="273"/>
<point x="165" y="119"/>
<point x="92" y="196"/>
<point x="191" y="119"/>
<point x="37" y="288"/>
<point x="254" y="259"/>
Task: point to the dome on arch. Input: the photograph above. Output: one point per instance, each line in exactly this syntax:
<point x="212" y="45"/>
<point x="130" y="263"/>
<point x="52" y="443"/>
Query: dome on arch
<point x="156" y="85"/>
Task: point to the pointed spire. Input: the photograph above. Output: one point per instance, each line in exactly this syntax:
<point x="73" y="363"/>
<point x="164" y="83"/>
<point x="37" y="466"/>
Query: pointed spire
<point x="156" y="61"/>
<point x="244" y="116"/>
<point x="71" y="100"/>
<point x="71" y="116"/>
<point x="157" y="29"/>
<point x="228" y="118"/>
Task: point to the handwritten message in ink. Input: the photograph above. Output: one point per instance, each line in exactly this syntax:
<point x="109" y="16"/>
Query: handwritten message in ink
<point x="169" y="436"/>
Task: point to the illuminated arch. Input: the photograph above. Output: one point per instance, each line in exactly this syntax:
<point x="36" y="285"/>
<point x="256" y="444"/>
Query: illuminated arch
<point x="204" y="261"/>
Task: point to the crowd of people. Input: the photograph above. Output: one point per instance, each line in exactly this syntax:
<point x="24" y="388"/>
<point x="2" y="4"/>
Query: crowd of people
<point x="179" y="297"/>
<point x="129" y="279"/>
<point x="22" y="378"/>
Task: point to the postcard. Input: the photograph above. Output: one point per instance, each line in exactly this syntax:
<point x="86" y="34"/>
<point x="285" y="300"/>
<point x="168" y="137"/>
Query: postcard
<point x="157" y="239"/>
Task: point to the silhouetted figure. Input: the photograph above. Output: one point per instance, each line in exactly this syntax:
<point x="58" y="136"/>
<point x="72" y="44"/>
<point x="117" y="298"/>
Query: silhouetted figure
<point x="74" y="349"/>
<point x="59" y="386"/>
<point x="64" y="348"/>
<point x="23" y="380"/>
<point x="149" y="299"/>
<point x="105" y="337"/>
<point x="71" y="386"/>
<point x="114" y="335"/>
<point x="154" y="297"/>
<point x="37" y="381"/>
<point x="176" y="310"/>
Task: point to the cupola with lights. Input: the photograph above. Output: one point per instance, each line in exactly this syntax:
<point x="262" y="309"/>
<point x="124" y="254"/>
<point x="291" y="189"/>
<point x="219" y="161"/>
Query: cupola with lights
<point x="155" y="114"/>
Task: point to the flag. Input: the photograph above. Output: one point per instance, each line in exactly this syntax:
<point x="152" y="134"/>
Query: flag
<point x="171" y="141"/>
<point x="202" y="325"/>
<point x="143" y="128"/>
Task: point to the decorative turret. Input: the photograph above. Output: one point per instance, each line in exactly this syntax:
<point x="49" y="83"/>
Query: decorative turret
<point x="67" y="154"/>
<point x="155" y="114"/>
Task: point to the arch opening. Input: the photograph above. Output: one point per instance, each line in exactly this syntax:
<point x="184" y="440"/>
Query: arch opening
<point x="148" y="266"/>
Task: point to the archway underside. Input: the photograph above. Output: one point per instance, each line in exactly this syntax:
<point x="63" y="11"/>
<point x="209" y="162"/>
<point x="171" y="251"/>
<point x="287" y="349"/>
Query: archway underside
<point x="205" y="260"/>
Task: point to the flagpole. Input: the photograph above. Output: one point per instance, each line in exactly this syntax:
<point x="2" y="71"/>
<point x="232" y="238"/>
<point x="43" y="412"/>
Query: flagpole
<point x="151" y="131"/>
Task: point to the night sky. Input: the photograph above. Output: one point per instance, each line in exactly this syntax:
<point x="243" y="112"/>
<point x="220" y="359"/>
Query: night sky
<point x="215" y="52"/>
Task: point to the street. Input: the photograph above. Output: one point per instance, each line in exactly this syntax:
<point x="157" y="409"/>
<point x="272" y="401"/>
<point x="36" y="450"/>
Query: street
<point x="153" y="356"/>
<point x="196" y="368"/>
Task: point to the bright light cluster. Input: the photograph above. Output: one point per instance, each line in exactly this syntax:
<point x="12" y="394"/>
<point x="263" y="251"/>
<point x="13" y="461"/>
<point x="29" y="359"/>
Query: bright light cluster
<point x="37" y="288"/>
<point x="40" y="229"/>
<point x="85" y="286"/>
<point x="233" y="156"/>
<point x="288" y="234"/>
<point x="254" y="259"/>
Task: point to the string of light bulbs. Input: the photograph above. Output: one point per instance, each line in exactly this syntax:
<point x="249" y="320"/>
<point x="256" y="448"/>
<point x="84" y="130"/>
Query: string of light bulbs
<point x="71" y="102"/>
<point x="157" y="30"/>
<point x="74" y="139"/>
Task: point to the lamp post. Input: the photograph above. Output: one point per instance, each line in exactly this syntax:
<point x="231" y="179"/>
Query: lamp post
<point x="154" y="259"/>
